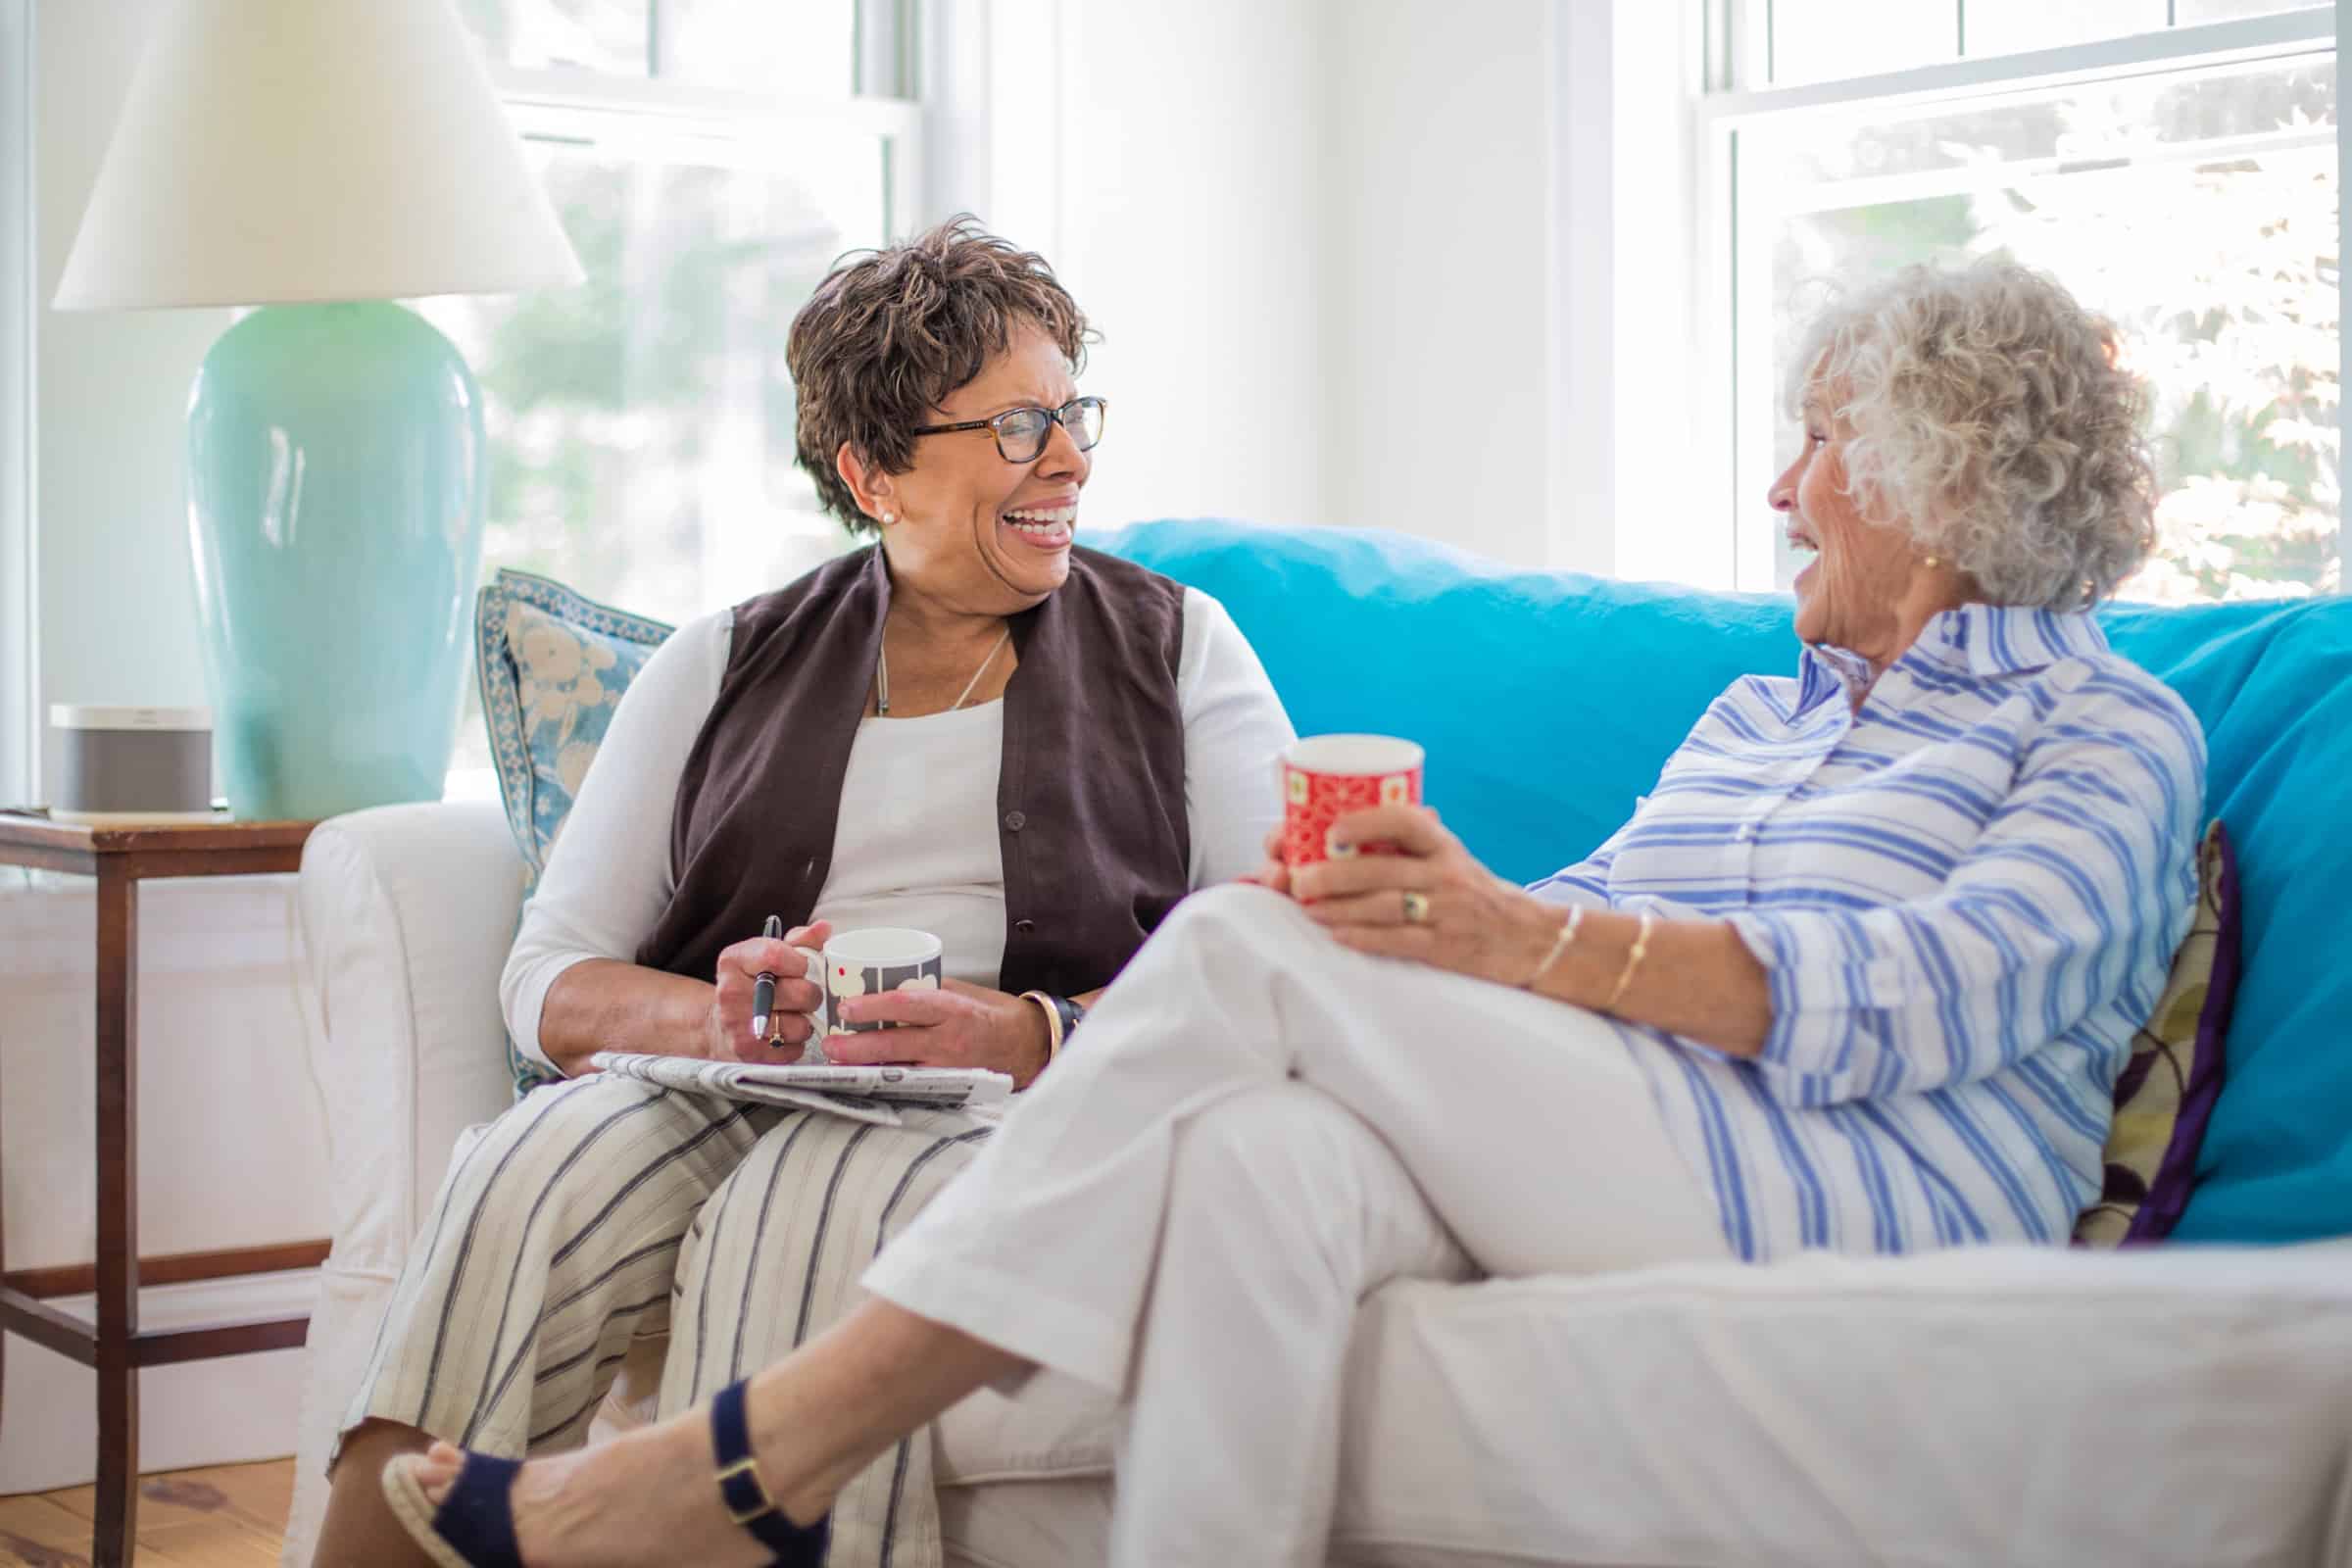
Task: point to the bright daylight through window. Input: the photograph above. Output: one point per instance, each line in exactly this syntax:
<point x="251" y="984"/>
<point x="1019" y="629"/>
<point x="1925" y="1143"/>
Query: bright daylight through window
<point x="2185" y="186"/>
<point x="710" y="160"/>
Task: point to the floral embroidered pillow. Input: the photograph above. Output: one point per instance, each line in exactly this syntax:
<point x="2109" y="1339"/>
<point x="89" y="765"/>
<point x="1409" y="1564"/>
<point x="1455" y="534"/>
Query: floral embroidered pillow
<point x="553" y="667"/>
<point x="2166" y="1092"/>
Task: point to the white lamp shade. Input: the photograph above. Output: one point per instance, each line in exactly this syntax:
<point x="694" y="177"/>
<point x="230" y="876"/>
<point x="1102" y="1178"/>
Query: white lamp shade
<point x="292" y="151"/>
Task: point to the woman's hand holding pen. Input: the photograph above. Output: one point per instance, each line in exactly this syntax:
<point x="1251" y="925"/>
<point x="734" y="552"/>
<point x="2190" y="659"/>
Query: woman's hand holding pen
<point x="727" y="1029"/>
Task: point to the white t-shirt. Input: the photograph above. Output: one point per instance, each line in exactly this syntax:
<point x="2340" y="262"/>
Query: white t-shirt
<point x="916" y="843"/>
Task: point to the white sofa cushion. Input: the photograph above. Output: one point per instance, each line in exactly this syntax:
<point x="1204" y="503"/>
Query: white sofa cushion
<point x="2012" y="1405"/>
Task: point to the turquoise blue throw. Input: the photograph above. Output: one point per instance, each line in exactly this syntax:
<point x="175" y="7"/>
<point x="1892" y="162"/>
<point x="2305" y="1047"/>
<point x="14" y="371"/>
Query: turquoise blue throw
<point x="1547" y="702"/>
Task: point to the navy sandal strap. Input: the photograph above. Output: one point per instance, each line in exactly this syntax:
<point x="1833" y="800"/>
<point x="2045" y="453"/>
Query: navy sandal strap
<point x="475" y="1518"/>
<point x="746" y="1495"/>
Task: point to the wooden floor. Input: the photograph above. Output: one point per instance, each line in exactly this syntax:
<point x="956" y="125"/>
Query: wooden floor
<point x="230" y="1516"/>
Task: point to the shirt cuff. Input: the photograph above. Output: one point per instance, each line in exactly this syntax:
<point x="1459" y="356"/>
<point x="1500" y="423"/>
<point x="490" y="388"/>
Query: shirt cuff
<point x="1822" y="973"/>
<point x="526" y="986"/>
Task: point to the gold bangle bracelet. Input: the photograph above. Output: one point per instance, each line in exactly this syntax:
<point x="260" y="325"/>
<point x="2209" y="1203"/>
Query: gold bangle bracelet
<point x="1052" y="1022"/>
<point x="1559" y="944"/>
<point x="1633" y="961"/>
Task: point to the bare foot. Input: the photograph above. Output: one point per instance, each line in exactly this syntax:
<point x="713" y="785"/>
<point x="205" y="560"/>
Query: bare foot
<point x="649" y="1496"/>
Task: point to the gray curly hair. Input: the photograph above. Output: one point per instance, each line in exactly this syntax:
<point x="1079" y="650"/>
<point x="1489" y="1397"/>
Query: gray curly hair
<point x="1987" y="414"/>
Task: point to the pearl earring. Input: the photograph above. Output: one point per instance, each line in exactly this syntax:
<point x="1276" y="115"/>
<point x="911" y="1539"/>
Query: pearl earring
<point x="1930" y="563"/>
<point x="888" y="518"/>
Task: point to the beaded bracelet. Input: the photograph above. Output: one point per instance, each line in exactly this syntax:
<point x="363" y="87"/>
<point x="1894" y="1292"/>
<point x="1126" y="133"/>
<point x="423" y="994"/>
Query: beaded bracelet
<point x="1559" y="944"/>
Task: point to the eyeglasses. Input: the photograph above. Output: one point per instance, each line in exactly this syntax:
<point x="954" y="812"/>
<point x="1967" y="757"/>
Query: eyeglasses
<point x="1021" y="433"/>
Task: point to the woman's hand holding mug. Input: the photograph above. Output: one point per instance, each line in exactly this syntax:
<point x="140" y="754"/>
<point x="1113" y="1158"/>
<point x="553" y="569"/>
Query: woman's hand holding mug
<point x="955" y="1025"/>
<point x="1377" y="870"/>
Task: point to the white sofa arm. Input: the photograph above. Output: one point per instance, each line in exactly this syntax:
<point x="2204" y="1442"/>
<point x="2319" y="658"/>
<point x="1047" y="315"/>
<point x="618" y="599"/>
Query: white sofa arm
<point x="407" y="914"/>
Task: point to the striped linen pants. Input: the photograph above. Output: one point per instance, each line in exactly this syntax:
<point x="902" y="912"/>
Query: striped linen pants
<point x="608" y="1210"/>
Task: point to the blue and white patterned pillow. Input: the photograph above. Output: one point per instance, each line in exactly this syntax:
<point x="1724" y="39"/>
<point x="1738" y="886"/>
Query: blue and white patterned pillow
<point x="553" y="667"/>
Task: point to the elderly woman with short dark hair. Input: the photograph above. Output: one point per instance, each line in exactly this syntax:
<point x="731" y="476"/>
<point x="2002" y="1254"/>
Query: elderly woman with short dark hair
<point x="1859" y="974"/>
<point x="969" y="727"/>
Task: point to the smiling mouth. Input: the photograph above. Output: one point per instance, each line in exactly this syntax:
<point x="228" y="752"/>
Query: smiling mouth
<point x="1046" y="527"/>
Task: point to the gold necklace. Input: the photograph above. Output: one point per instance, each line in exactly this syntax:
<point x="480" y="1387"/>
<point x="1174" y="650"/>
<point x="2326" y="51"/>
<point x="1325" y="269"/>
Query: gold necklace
<point x="882" y="676"/>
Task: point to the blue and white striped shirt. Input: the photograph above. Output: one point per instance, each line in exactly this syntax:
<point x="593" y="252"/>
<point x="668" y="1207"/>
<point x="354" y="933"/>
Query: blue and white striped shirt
<point x="1966" y="897"/>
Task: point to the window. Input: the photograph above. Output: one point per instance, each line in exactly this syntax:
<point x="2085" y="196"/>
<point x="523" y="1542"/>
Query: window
<point x="710" y="160"/>
<point x="2172" y="162"/>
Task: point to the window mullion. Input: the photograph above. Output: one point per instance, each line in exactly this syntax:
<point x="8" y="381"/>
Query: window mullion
<point x="883" y="52"/>
<point x="2306" y="31"/>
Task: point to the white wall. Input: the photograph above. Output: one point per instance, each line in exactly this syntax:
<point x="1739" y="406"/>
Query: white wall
<point x="1314" y="235"/>
<point x="117" y="597"/>
<point x="1168" y="160"/>
<point x="1435" y="382"/>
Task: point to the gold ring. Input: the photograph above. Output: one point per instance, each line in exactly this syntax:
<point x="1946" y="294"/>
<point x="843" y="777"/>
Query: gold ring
<point x="1416" y="907"/>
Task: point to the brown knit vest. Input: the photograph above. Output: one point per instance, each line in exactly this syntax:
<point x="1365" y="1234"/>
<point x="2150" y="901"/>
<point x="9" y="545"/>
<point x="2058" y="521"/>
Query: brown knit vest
<point x="1089" y="795"/>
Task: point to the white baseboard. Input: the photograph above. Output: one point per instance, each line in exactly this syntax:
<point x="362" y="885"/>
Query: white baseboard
<point x="226" y="1411"/>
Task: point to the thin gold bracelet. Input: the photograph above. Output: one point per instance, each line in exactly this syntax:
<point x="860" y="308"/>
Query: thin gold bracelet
<point x="1633" y="961"/>
<point x="1559" y="944"/>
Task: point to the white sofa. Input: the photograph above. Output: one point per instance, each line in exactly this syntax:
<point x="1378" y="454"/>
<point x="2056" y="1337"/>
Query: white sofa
<point x="2022" y="1406"/>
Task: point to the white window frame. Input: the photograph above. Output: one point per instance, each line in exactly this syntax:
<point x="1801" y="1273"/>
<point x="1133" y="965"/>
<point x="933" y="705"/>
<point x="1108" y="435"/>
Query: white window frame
<point x="657" y="119"/>
<point x="1740" y="462"/>
<point x="19" y="565"/>
<point x="723" y="127"/>
<point x="655" y="115"/>
<point x="1644" y="477"/>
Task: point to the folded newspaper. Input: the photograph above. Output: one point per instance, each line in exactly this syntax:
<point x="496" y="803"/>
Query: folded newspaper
<point x="861" y="1094"/>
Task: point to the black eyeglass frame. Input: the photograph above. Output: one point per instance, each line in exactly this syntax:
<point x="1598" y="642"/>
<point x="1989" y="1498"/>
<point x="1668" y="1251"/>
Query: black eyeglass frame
<point x="995" y="425"/>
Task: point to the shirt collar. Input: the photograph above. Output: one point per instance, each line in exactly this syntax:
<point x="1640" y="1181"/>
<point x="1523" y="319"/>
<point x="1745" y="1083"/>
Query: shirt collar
<point x="2008" y="639"/>
<point x="1984" y="640"/>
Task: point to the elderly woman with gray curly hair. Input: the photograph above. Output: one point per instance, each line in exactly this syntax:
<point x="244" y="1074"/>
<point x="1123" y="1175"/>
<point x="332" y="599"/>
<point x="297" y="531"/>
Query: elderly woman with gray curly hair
<point x="1859" y="974"/>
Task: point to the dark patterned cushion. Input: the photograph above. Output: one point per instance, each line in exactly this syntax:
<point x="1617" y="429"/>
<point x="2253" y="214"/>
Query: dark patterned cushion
<point x="2166" y="1093"/>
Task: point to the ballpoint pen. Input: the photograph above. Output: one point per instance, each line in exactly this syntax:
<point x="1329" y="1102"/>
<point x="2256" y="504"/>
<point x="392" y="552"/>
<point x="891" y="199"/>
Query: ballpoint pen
<point x="764" y="987"/>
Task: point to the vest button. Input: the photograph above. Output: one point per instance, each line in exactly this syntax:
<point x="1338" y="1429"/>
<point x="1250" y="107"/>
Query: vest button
<point x="1015" y="820"/>
<point x="1024" y="927"/>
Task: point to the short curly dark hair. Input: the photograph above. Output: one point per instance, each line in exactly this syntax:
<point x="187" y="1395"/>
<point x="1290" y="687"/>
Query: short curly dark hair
<point x="891" y="334"/>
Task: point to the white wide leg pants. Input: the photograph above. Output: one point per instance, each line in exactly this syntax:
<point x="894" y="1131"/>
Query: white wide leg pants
<point x="1257" y="1129"/>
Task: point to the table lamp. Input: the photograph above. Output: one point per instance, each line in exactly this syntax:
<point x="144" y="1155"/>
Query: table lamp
<point x="320" y="159"/>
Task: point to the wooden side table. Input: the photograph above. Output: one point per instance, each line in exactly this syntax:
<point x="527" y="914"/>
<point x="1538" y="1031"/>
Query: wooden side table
<point x="120" y="858"/>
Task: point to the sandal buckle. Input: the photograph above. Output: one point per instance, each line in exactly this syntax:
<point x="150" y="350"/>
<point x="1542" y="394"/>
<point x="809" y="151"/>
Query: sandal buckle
<point x="744" y="1470"/>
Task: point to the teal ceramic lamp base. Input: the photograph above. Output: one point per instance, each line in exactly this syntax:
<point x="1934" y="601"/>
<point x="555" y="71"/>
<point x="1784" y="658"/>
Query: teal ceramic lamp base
<point x="335" y="511"/>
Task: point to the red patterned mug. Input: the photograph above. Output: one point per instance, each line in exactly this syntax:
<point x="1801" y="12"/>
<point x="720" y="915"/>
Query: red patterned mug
<point x="1325" y="777"/>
